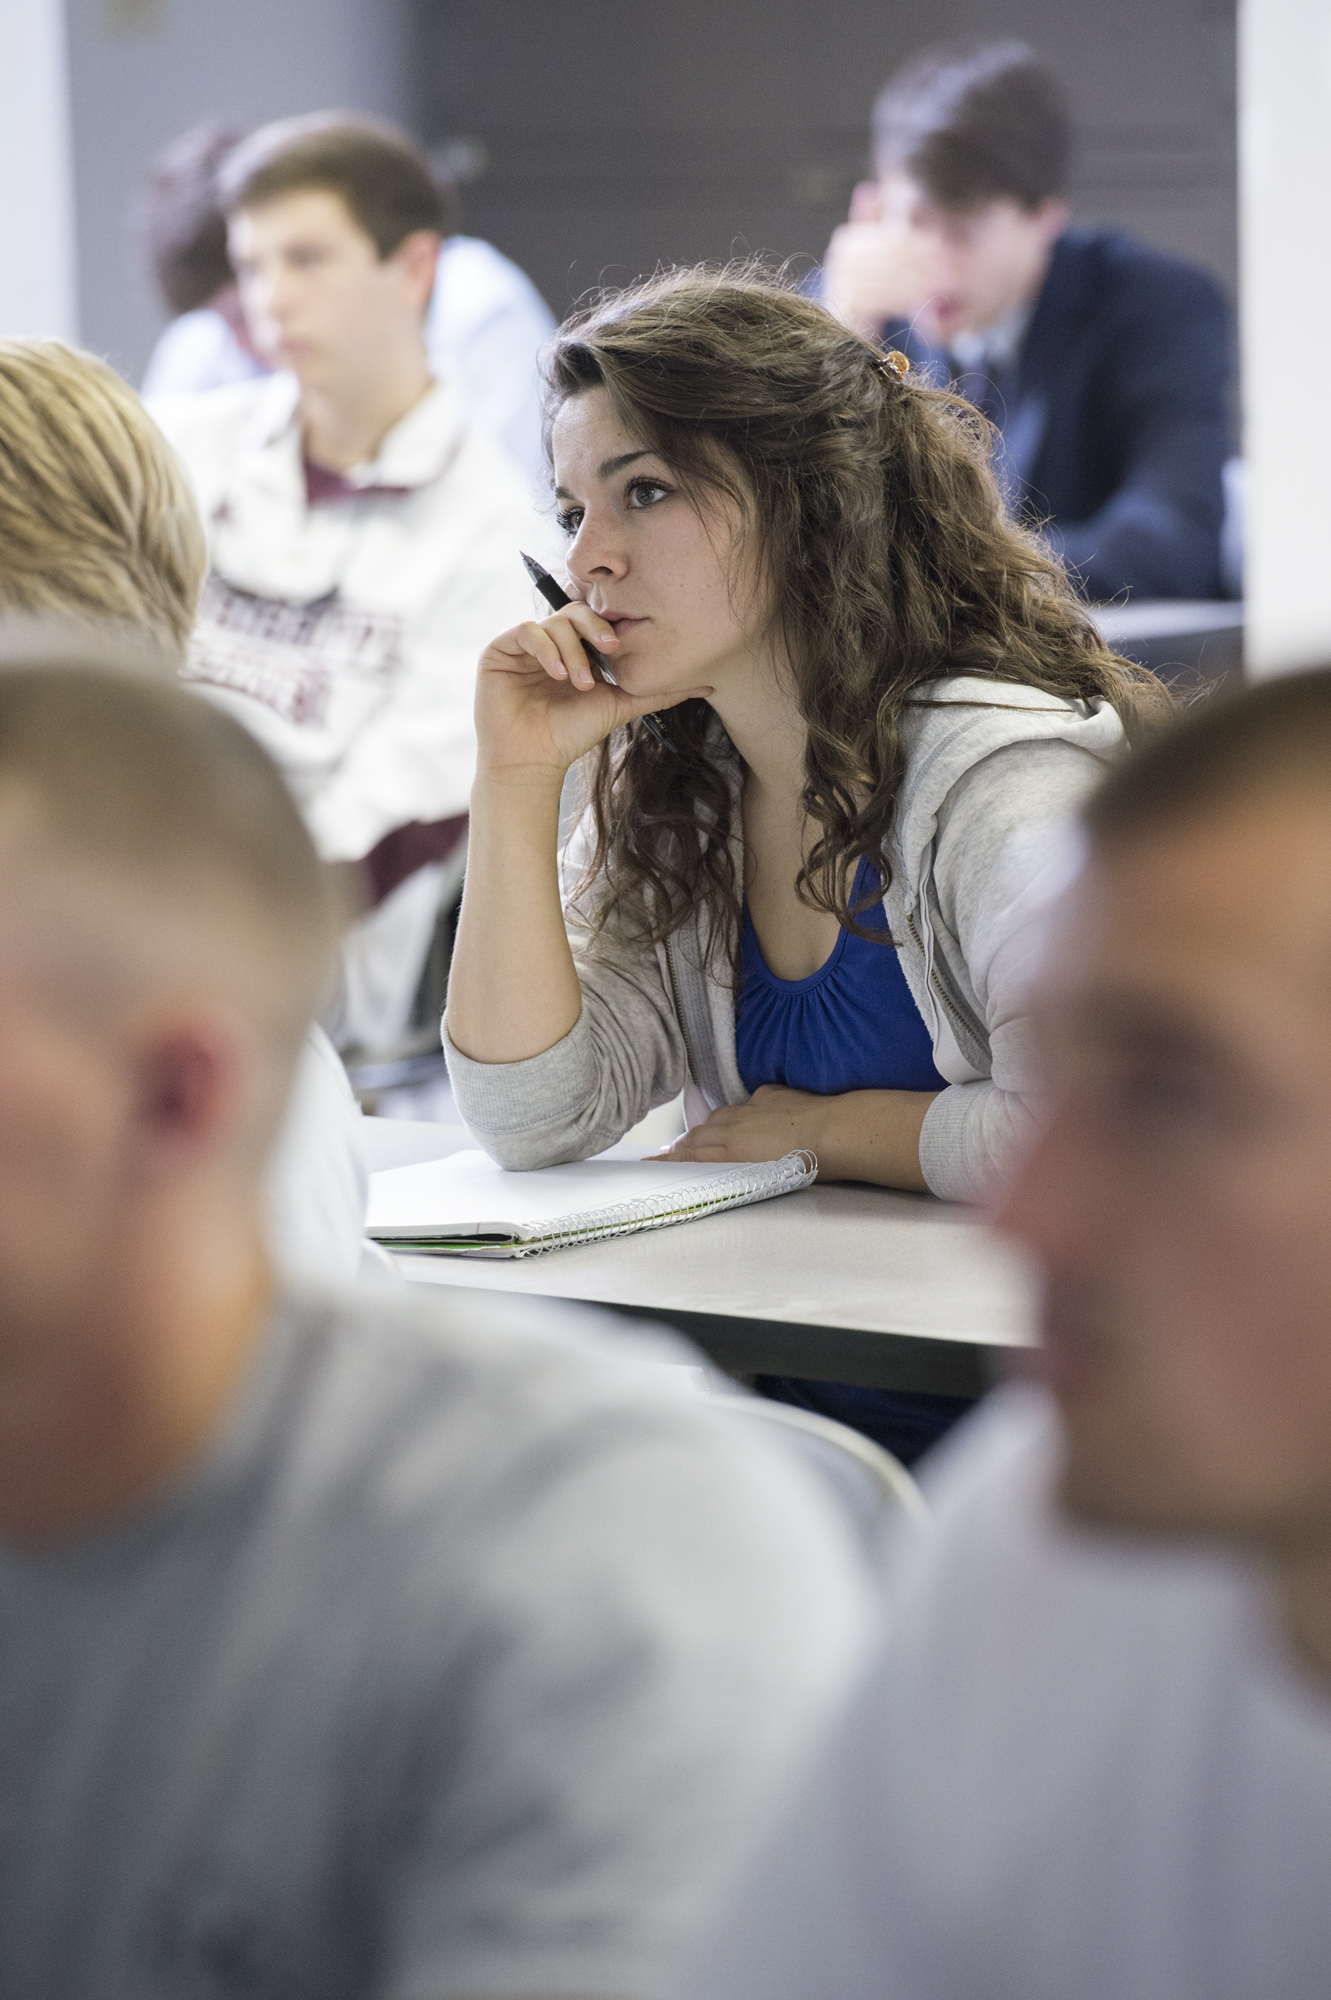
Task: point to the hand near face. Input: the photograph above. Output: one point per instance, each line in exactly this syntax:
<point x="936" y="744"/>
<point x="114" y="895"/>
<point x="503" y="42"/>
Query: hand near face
<point x="540" y="704"/>
<point x="875" y="269"/>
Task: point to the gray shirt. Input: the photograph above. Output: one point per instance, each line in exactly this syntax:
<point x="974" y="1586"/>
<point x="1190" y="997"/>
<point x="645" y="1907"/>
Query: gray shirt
<point x="466" y="1662"/>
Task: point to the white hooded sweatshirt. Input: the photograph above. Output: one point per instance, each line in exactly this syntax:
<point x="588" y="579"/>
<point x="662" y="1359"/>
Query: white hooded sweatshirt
<point x="344" y="632"/>
<point x="994" y="773"/>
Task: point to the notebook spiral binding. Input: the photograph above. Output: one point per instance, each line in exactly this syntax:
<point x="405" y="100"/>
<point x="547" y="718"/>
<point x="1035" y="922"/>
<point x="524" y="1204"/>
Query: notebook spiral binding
<point x="783" y="1176"/>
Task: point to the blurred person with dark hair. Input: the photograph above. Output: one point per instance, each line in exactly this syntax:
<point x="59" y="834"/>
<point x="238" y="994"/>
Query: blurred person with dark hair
<point x="486" y="322"/>
<point x="1095" y="1757"/>
<point x="364" y="535"/>
<point x="101" y="546"/>
<point x="354" y="1644"/>
<point x="1104" y="363"/>
<point x="183" y="232"/>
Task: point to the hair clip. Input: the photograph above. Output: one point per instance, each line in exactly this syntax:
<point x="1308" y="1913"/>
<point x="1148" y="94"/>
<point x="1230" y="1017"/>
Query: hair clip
<point x="892" y="367"/>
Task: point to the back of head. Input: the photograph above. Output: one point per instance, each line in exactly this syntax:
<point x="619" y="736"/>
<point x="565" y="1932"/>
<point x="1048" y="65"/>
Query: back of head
<point x="975" y="122"/>
<point x="151" y="831"/>
<point x="378" y="171"/>
<point x="96" y="517"/>
<point x="1269" y="740"/>
<point x="180" y="220"/>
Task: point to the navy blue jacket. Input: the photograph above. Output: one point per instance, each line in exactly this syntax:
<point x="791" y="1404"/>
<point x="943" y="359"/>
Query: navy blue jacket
<point x="1118" y="427"/>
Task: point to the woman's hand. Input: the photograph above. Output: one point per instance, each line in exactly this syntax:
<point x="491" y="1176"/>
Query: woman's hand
<point x="864" y="1135"/>
<point x="540" y="704"/>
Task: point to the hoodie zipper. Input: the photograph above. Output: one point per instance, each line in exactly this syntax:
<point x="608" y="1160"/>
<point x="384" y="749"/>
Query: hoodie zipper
<point x="676" y="1001"/>
<point x="936" y="993"/>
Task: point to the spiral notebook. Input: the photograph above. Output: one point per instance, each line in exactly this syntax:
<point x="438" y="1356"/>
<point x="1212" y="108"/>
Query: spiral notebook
<point x="466" y="1206"/>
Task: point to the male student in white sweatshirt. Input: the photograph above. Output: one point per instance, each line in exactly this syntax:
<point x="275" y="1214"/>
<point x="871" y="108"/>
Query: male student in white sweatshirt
<point x="487" y="322"/>
<point x="364" y="536"/>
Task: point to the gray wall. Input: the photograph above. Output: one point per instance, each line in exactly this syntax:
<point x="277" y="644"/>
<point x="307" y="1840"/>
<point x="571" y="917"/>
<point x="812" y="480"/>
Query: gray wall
<point x="143" y="70"/>
<point x="621" y="132"/>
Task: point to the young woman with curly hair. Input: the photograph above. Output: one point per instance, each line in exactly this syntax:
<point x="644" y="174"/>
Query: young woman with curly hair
<point x="806" y="906"/>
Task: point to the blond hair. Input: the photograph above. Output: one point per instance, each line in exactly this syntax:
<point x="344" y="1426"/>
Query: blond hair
<point x="96" y="516"/>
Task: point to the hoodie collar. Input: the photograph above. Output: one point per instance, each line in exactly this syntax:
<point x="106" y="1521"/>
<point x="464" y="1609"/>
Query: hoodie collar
<point x="415" y="451"/>
<point x="952" y="724"/>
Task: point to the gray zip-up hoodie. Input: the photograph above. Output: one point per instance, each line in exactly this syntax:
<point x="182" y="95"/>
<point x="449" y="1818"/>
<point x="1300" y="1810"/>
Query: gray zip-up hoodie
<point x="992" y="772"/>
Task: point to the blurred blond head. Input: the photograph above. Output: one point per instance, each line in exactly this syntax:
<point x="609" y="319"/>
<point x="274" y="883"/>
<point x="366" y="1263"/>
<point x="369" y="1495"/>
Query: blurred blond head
<point x="96" y="517"/>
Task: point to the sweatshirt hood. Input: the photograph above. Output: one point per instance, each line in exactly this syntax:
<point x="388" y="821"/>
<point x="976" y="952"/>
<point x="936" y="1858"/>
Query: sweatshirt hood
<point x="951" y="725"/>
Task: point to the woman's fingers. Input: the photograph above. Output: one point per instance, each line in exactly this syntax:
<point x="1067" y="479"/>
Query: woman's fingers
<point x="556" y="644"/>
<point x="573" y="629"/>
<point x="685" y="1149"/>
<point x="590" y="623"/>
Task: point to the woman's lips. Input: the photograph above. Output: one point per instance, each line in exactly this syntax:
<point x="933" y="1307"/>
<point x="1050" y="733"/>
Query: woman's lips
<point x="623" y="626"/>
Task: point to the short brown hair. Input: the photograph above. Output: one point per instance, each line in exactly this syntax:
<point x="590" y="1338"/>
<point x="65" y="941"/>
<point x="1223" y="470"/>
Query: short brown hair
<point x="96" y="516"/>
<point x="975" y="122"/>
<point x="180" y="221"/>
<point x="137" y="777"/>
<point x="381" y="174"/>
<point x="1230" y="747"/>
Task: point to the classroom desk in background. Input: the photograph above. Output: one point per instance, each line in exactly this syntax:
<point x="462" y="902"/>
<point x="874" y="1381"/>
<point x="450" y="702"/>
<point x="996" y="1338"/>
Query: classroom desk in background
<point x="1188" y="644"/>
<point x="842" y="1283"/>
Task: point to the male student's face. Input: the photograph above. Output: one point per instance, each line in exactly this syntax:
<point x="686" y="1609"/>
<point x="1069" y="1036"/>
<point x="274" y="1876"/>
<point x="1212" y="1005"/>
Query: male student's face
<point x="977" y="264"/>
<point x="317" y="296"/>
<point x="1180" y="1199"/>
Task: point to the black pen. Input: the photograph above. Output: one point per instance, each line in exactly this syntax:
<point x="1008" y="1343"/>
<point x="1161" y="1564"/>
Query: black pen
<point x="557" y="597"/>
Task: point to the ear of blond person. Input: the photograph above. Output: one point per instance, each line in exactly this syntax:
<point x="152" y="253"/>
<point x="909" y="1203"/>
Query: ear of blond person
<point x="96" y="516"/>
<point x="165" y="935"/>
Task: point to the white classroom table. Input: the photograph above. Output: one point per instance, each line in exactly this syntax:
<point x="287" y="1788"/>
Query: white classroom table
<point x="844" y="1282"/>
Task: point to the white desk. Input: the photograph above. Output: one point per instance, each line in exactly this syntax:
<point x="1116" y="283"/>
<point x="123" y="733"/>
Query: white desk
<point x="851" y="1283"/>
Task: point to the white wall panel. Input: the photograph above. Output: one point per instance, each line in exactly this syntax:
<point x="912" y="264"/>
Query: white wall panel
<point x="1285" y="316"/>
<point x="143" y="70"/>
<point x="37" y="262"/>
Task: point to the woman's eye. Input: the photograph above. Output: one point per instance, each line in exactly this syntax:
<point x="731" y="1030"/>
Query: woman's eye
<point x="646" y="492"/>
<point x="570" y="520"/>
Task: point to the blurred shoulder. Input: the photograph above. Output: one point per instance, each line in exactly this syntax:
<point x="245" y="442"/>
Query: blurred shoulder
<point x="1122" y="269"/>
<point x="499" y="1383"/>
<point x="488" y="279"/>
<point x="215" y="421"/>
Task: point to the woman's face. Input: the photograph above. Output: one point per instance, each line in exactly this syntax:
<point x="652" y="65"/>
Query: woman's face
<point x="671" y="580"/>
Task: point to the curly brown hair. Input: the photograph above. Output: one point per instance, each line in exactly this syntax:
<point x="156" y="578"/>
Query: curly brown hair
<point x="889" y="562"/>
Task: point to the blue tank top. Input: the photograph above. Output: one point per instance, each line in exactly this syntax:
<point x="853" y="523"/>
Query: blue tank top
<point x="852" y="1025"/>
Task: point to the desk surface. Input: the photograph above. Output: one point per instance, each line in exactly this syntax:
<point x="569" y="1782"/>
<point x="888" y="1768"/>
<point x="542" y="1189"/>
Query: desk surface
<point x="849" y="1283"/>
<point x="1166" y="617"/>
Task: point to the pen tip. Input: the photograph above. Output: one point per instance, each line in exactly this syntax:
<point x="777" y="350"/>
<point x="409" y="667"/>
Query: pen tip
<point x="533" y="568"/>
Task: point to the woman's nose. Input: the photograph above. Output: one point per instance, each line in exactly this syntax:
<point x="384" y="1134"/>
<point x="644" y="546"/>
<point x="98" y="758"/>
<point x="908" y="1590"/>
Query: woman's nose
<point x="593" y="553"/>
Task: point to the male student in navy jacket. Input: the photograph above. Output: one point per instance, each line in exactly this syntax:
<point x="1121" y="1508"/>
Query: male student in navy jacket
<point x="1104" y="363"/>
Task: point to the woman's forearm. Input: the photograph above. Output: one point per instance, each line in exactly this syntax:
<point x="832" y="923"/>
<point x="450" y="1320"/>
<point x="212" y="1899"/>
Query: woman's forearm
<point x="873" y="1135"/>
<point x="513" y="989"/>
<point x="862" y="1135"/>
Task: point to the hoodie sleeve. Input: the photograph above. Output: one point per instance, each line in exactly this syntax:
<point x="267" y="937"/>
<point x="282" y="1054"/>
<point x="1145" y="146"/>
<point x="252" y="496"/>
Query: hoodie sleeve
<point x="622" y="1057"/>
<point x="1000" y="854"/>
